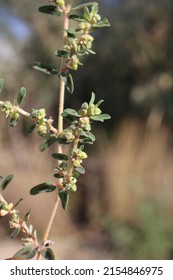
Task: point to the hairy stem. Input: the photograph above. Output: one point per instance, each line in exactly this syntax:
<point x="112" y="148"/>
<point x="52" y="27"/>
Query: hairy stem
<point x="60" y="123"/>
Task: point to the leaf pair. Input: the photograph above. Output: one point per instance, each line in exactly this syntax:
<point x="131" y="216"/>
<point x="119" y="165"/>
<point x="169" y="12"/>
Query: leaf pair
<point x="48" y="187"/>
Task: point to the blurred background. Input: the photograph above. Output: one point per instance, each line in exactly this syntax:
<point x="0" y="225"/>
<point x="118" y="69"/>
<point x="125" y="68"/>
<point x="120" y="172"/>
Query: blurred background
<point x="124" y="205"/>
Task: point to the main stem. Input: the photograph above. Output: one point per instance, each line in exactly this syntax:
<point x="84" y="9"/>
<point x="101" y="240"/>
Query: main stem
<point x="60" y="124"/>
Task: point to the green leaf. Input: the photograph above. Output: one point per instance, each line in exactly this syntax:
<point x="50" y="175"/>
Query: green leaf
<point x="48" y="254"/>
<point x="61" y="53"/>
<point x="86" y="140"/>
<point x="43" y="145"/>
<point x="99" y="103"/>
<point x="100" y="24"/>
<point x="5" y="182"/>
<point x="41" y="188"/>
<point x="71" y="33"/>
<point x="84" y="5"/>
<point x="27" y="215"/>
<point x="70" y="112"/>
<point x="17" y="203"/>
<point x="88" y="51"/>
<point x="92" y="98"/>
<point x="45" y="68"/>
<point x="56" y="175"/>
<point x="26" y="253"/>
<point x="94" y="9"/>
<point x="68" y="80"/>
<point x="60" y="156"/>
<point x="88" y="134"/>
<point x="63" y="141"/>
<point x="101" y="117"/>
<point x="21" y="95"/>
<point x="80" y="169"/>
<point x="31" y="128"/>
<point x="77" y="18"/>
<point x="47" y="143"/>
<point x="70" y="83"/>
<point x="1" y="84"/>
<point x="64" y="197"/>
<point x="15" y="233"/>
<point x="69" y="118"/>
<point x="50" y="9"/>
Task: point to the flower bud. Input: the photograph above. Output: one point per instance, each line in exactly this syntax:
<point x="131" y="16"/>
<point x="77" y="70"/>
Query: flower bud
<point x="85" y="26"/>
<point x="60" y="3"/>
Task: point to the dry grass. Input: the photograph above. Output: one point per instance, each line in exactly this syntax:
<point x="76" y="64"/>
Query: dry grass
<point x="138" y="165"/>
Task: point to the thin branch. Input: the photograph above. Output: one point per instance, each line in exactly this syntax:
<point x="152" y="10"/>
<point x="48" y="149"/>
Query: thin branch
<point x="28" y="115"/>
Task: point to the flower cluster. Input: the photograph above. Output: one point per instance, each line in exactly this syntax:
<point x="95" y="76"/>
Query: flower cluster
<point x="77" y="46"/>
<point x="11" y="111"/>
<point x="6" y="208"/>
<point x="41" y="122"/>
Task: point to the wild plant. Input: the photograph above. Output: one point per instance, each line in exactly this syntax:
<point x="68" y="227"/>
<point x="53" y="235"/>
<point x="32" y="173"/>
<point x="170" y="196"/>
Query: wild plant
<point x="77" y="42"/>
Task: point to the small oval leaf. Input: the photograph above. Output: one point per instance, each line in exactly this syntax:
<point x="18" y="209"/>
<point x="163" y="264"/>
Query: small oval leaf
<point x="101" y="117"/>
<point x="70" y="112"/>
<point x="31" y="128"/>
<point x="100" y="24"/>
<point x="27" y="215"/>
<point x="80" y="169"/>
<point x="64" y="197"/>
<point x="56" y="175"/>
<point x="50" y="9"/>
<point x="61" y="53"/>
<point x="63" y="141"/>
<point x="60" y="156"/>
<point x="92" y="98"/>
<point x="48" y="254"/>
<point x="41" y="188"/>
<point x="70" y="83"/>
<point x="21" y="95"/>
<point x="77" y="18"/>
<point x="17" y="203"/>
<point x="45" y="68"/>
<point x="26" y="253"/>
<point x="86" y="140"/>
<point x="47" y="143"/>
<point x="5" y="182"/>
<point x="88" y="134"/>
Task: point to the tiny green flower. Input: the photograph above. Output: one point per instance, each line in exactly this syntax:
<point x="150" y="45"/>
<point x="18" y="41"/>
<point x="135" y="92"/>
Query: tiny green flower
<point x="85" y="123"/>
<point x="85" y="26"/>
<point x="86" y="41"/>
<point x="93" y="110"/>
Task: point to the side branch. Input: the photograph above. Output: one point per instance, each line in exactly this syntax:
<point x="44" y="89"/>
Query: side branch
<point x="29" y="116"/>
